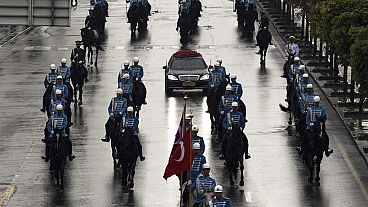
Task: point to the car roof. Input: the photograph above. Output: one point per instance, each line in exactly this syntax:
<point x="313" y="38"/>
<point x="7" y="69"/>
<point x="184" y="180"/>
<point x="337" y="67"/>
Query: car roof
<point x="186" y="54"/>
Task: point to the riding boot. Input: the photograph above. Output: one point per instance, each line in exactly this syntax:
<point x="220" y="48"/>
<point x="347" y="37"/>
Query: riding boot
<point x="328" y="151"/>
<point x="223" y="147"/>
<point x="47" y="153"/>
<point x="80" y="96"/>
<point x="69" y="146"/>
<point x="246" y="147"/>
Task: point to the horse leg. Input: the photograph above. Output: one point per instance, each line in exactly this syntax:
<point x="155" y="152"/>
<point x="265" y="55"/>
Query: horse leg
<point x="318" y="169"/>
<point x="241" y="183"/>
<point x="91" y="54"/>
<point x="311" y="169"/>
<point x="62" y="174"/>
<point x="131" y="175"/>
<point x="231" y="177"/>
<point x="97" y="49"/>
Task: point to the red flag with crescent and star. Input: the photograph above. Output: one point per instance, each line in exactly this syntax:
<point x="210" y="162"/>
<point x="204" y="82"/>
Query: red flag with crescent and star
<point x="180" y="159"/>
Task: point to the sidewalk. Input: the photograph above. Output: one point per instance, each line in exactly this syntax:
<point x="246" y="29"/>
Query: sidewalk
<point x="356" y="126"/>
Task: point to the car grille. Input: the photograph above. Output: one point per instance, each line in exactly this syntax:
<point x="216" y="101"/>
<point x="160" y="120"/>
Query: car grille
<point x="188" y="77"/>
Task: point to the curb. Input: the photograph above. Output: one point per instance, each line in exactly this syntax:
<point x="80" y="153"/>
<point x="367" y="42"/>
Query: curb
<point x="16" y="36"/>
<point x="325" y="94"/>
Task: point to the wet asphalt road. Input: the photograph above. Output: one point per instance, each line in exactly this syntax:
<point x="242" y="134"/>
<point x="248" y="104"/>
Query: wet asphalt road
<point x="275" y="175"/>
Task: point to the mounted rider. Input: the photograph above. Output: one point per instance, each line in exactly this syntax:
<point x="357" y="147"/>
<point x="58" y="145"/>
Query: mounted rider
<point x="294" y="70"/>
<point x="49" y="82"/>
<point x="316" y="113"/>
<point x="57" y="124"/>
<point x="78" y="54"/>
<point x="203" y="187"/>
<point x="137" y="70"/>
<point x="291" y="51"/>
<point x="130" y="121"/>
<point x="232" y="119"/>
<point x="64" y="71"/>
<point x="198" y="161"/>
<point x="79" y="77"/>
<point x="219" y="200"/>
<point x="307" y="99"/>
<point x="222" y="68"/>
<point x="198" y="139"/>
<point x="56" y="101"/>
<point x="118" y="106"/>
<point x="61" y="86"/>
<point x="216" y="77"/>
<point x="302" y="84"/>
<point x="236" y="87"/>
<point x="127" y="88"/>
<point x="227" y="100"/>
<point x="125" y="70"/>
<point x="264" y="20"/>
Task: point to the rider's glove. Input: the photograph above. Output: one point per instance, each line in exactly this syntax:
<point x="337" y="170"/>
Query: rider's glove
<point x="230" y="128"/>
<point x="52" y="132"/>
<point x="212" y="85"/>
<point x="64" y="135"/>
<point x="311" y="124"/>
<point x="112" y="114"/>
<point x="222" y="112"/>
<point x="189" y="182"/>
<point x="241" y="128"/>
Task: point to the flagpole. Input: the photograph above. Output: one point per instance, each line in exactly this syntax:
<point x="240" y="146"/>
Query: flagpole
<point x="190" y="157"/>
<point x="182" y="134"/>
<point x="181" y="189"/>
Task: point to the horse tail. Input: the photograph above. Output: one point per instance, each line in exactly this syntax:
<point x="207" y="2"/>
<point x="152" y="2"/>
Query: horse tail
<point x="283" y="108"/>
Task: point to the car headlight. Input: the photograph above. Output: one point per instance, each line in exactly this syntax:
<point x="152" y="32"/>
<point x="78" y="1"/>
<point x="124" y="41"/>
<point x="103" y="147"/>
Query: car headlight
<point x="172" y="77"/>
<point x="205" y="77"/>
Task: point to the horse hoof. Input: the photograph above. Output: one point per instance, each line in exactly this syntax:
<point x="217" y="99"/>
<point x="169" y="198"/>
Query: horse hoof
<point x="241" y="183"/>
<point x="131" y="185"/>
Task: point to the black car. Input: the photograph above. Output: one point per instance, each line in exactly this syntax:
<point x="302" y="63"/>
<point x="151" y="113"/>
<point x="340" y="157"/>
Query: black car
<point x="186" y="69"/>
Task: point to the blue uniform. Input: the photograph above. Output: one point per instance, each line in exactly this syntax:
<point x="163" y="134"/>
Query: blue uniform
<point x="130" y="122"/>
<point x="223" y="70"/>
<point x="198" y="161"/>
<point x="65" y="72"/>
<point x="57" y="122"/>
<point x="63" y="88"/>
<point x="313" y="113"/>
<point x="198" y="139"/>
<point x="233" y="118"/>
<point x="127" y="88"/>
<point x="201" y="185"/>
<point x="294" y="70"/>
<point x="118" y="105"/>
<point x="220" y="202"/>
<point x="293" y="48"/>
<point x="125" y="71"/>
<point x="137" y="72"/>
<point x="50" y="79"/>
<point x="143" y="2"/>
<point x="302" y="85"/>
<point x="225" y="103"/>
<point x="237" y="88"/>
<point x="55" y="102"/>
<point x="215" y="78"/>
<point x="307" y="101"/>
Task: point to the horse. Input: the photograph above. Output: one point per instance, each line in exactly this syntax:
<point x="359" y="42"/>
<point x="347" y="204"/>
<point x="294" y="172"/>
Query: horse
<point x="90" y="38"/>
<point x="240" y="8"/>
<point x="263" y="40"/>
<point x="184" y="23"/>
<point x="46" y="100"/>
<point x="58" y="154"/>
<point x="250" y="18"/>
<point x="128" y="154"/>
<point x="213" y="100"/>
<point x="78" y="76"/>
<point x="100" y="14"/>
<point x="133" y="17"/>
<point x="144" y="12"/>
<point x="315" y="145"/>
<point x="287" y="65"/>
<point x="115" y="136"/>
<point x="234" y="145"/>
<point x="194" y="14"/>
<point x="138" y="95"/>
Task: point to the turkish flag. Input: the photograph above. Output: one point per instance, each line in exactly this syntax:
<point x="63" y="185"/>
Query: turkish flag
<point x="180" y="159"/>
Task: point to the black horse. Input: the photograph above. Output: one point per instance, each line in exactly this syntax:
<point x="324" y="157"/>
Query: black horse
<point x="213" y="100"/>
<point x="194" y="14"/>
<point x="144" y="12"/>
<point x="128" y="154"/>
<point x="184" y="25"/>
<point x="114" y="134"/>
<point x="133" y="17"/>
<point x="90" y="39"/>
<point x="234" y="145"/>
<point x="263" y="40"/>
<point x="58" y="154"/>
<point x="316" y="141"/>
<point x="138" y="95"/>
<point x="78" y="76"/>
<point x="251" y="16"/>
<point x="240" y="9"/>
<point x="100" y="14"/>
<point x="46" y="100"/>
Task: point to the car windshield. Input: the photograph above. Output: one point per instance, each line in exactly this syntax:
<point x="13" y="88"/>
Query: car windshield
<point x="188" y="63"/>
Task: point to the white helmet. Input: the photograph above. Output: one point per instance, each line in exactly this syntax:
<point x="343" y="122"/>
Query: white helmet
<point x="136" y="59"/>
<point x="233" y="76"/>
<point x="292" y="37"/>
<point x="301" y="67"/>
<point x="219" y="60"/>
<point x="196" y="146"/>
<point x="229" y="88"/>
<point x="296" y="59"/>
<point x="59" y="77"/>
<point x="63" y="60"/>
<point x="205" y="166"/>
<point x="216" y="64"/>
<point x="316" y="99"/>
<point x="130" y="108"/>
<point x="58" y="92"/>
<point x="126" y="62"/>
<point x="310" y="86"/>
<point x="119" y="91"/>
<point x="235" y="104"/>
<point x="126" y="76"/>
<point x="305" y="75"/>
<point x="218" y="189"/>
<point x="53" y="67"/>
<point x="195" y="128"/>
<point x="59" y="107"/>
